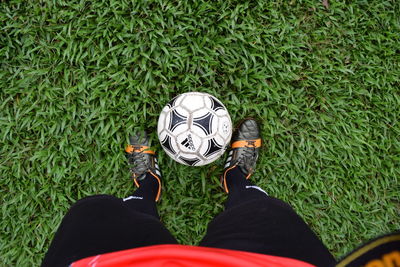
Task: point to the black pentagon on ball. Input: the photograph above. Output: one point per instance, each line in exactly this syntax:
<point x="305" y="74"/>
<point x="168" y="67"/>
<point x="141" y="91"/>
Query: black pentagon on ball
<point x="213" y="147"/>
<point x="215" y="104"/>
<point x="166" y="143"/>
<point x="175" y="120"/>
<point x="171" y="103"/>
<point x="204" y="123"/>
<point x="189" y="162"/>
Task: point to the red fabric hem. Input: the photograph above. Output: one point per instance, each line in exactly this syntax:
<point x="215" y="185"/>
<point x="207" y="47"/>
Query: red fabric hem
<point x="182" y="255"/>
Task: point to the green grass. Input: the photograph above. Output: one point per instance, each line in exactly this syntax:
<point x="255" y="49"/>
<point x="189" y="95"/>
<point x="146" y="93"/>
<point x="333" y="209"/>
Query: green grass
<point x="77" y="76"/>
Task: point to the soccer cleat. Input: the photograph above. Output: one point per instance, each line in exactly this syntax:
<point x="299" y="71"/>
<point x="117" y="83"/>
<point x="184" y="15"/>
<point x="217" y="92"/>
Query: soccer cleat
<point x="142" y="160"/>
<point x="245" y="147"/>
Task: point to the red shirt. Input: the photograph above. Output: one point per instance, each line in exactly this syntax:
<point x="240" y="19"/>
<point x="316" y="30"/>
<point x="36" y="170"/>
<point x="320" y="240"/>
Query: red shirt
<point x="181" y="255"/>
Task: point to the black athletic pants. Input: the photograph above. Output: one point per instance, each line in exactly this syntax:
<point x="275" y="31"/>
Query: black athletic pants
<point x="252" y="221"/>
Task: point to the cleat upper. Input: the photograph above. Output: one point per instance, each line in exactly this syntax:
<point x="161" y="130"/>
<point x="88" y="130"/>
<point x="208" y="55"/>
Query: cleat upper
<point x="142" y="160"/>
<point x="245" y="146"/>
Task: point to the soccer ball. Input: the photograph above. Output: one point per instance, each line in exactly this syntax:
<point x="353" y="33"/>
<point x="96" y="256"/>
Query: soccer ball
<point x="194" y="128"/>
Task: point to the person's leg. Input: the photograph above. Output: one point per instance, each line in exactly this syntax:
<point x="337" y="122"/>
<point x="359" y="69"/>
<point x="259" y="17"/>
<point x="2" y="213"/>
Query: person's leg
<point x="143" y="199"/>
<point x="102" y="224"/>
<point x="254" y="222"/>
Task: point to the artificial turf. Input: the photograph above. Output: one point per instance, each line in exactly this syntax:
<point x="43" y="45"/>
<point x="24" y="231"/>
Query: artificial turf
<point x="77" y="76"/>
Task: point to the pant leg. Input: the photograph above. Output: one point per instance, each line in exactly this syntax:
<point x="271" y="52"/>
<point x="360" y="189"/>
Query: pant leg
<point x="102" y="224"/>
<point x="265" y="225"/>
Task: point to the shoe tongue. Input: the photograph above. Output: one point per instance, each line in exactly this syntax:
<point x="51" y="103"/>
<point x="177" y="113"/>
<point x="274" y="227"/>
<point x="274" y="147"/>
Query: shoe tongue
<point x="139" y="139"/>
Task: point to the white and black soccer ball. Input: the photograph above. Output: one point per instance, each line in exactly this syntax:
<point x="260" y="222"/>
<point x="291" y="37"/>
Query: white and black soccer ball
<point x="194" y="128"/>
